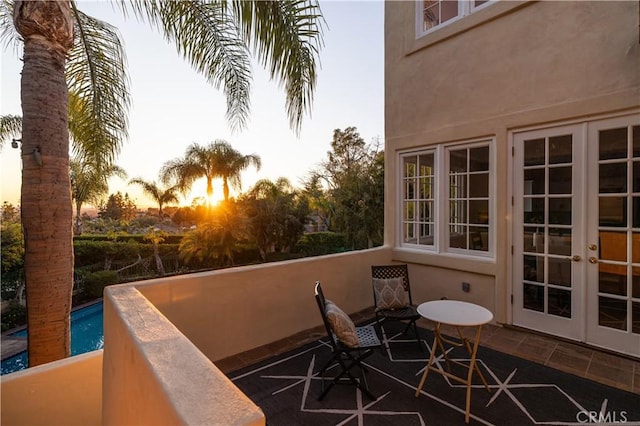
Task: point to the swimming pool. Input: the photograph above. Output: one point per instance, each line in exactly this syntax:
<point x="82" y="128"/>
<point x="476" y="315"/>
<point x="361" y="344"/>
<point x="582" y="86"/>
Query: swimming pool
<point x="87" y="334"/>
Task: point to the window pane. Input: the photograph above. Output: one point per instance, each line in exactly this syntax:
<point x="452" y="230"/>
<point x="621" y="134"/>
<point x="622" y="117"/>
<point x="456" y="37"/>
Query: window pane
<point x="612" y="279"/>
<point x="426" y="187"/>
<point x="533" y="297"/>
<point x="426" y="211"/>
<point x="479" y="212"/>
<point x="613" y="143"/>
<point x="410" y="166"/>
<point x="613" y="246"/>
<point x="635" y="212"/>
<point x="479" y="238"/>
<point x="479" y="185"/>
<point x="613" y="211"/>
<point x="431" y="14"/>
<point x="533" y="240"/>
<point x="534" y="182"/>
<point x="479" y="159"/>
<point x="559" y="302"/>
<point x="559" y="272"/>
<point x="534" y="210"/>
<point x="458" y="236"/>
<point x="560" y="149"/>
<point x="458" y="186"/>
<point x="612" y="313"/>
<point x="534" y="152"/>
<point x="613" y="178"/>
<point x="449" y="10"/>
<point x="533" y="268"/>
<point x="560" y="211"/>
<point x="636" y="141"/>
<point x="426" y="165"/>
<point x="458" y="211"/>
<point x="560" y="180"/>
<point x="458" y="161"/>
<point x="560" y="241"/>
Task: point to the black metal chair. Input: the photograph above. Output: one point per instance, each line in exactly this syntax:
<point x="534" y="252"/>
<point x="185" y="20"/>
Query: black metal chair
<point x="403" y="311"/>
<point x="350" y="345"/>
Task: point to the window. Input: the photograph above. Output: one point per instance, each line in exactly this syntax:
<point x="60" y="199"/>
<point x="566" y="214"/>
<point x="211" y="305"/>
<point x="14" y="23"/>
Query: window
<point x="418" y="199"/>
<point x="460" y="192"/>
<point x="436" y="13"/>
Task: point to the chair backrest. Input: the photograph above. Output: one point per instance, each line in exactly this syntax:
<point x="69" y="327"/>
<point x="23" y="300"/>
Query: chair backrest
<point x="322" y="306"/>
<point x="392" y="271"/>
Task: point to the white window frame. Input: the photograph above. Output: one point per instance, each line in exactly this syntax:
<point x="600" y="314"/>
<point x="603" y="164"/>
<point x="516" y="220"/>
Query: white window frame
<point x="442" y="199"/>
<point x="465" y="8"/>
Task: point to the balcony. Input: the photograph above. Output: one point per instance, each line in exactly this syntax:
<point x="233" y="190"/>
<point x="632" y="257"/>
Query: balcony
<point x="173" y="339"/>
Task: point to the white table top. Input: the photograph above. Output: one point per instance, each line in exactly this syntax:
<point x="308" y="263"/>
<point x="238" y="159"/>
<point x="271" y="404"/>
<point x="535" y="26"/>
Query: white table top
<point x="455" y="312"/>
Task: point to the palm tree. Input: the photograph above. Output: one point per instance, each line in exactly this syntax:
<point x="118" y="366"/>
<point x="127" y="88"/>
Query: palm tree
<point x="88" y="184"/>
<point x="215" y="37"/>
<point x="232" y="163"/>
<point x="159" y="195"/>
<point x="198" y="162"/>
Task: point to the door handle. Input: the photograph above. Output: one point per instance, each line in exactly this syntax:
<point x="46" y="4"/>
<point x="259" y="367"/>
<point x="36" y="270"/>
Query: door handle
<point x="576" y="258"/>
<point x="593" y="259"/>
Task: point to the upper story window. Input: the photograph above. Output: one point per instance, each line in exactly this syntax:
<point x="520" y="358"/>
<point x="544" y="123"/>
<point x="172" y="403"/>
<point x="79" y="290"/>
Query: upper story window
<point x="436" y="13"/>
<point x="446" y="199"/>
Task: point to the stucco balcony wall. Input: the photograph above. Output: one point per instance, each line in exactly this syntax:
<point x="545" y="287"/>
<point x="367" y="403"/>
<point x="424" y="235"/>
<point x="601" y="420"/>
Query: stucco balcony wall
<point x="163" y="336"/>
<point x="65" y="393"/>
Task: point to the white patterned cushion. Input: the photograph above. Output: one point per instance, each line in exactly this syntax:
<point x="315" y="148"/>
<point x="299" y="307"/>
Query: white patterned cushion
<point x="341" y="324"/>
<point x="390" y="293"/>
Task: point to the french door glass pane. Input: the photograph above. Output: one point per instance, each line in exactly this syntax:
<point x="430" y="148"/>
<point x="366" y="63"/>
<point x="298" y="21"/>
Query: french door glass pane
<point x="534" y="152"/>
<point x="612" y="279"/>
<point x="533" y="297"/>
<point x="560" y="241"/>
<point x="559" y="302"/>
<point x="560" y="271"/>
<point x="612" y="313"/>
<point x="613" y="246"/>
<point x="560" y="211"/>
<point x="534" y="211"/>
<point x="613" y="211"/>
<point x="560" y="181"/>
<point x="635" y="285"/>
<point x="534" y="181"/>
<point x="636" y="141"/>
<point x="613" y="178"/>
<point x="613" y="143"/>
<point x="533" y="240"/>
<point x="560" y="149"/>
<point x="635" y="324"/>
<point x="533" y="268"/>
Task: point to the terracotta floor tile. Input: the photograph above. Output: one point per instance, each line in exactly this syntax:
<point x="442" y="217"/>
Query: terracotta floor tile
<point x="569" y="362"/>
<point x="536" y="349"/>
<point x="575" y="350"/>
<point x="611" y="374"/>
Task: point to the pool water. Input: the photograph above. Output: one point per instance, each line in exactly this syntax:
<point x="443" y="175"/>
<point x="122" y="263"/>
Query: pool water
<point x="87" y="334"/>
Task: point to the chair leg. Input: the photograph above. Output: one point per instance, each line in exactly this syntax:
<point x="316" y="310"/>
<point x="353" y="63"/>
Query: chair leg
<point x="346" y="371"/>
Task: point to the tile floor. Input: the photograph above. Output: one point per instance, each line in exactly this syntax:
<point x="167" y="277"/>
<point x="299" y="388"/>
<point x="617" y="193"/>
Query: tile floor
<point x="613" y="370"/>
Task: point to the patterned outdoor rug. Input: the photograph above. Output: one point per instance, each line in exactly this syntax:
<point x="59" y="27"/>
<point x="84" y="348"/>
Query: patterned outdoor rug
<point x="286" y="387"/>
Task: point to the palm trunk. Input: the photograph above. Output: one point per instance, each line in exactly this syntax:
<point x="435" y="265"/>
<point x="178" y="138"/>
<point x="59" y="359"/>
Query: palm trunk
<point x="47" y="212"/>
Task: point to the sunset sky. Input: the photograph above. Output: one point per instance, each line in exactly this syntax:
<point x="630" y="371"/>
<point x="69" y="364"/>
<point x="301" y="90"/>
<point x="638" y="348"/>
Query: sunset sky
<point x="173" y="106"/>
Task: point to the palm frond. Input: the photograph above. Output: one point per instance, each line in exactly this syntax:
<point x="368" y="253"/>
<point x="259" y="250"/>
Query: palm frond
<point x="287" y="37"/>
<point x="98" y="89"/>
<point x="205" y="35"/>
<point x="9" y="37"/>
<point x="10" y="128"/>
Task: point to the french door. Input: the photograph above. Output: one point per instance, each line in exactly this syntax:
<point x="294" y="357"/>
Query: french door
<point x="576" y="234"/>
